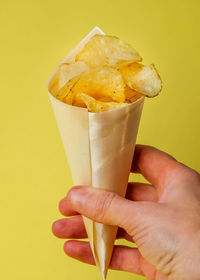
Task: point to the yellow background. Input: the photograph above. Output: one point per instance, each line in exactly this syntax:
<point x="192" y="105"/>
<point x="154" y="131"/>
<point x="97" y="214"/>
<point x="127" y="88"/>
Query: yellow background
<point x="35" y="36"/>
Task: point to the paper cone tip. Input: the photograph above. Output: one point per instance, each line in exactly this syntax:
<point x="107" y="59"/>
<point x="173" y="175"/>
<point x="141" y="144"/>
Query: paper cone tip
<point x="104" y="274"/>
<point x="98" y="28"/>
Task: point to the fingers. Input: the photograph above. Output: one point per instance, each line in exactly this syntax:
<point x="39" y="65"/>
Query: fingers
<point x="123" y="258"/>
<point x="156" y="166"/>
<point x="135" y="191"/>
<point x="161" y="169"/>
<point x="75" y="228"/>
<point x="103" y="207"/>
<point x="126" y="259"/>
<point x="69" y="228"/>
<point x="141" y="192"/>
<point x="146" y="156"/>
<point x="65" y="209"/>
<point x="79" y="250"/>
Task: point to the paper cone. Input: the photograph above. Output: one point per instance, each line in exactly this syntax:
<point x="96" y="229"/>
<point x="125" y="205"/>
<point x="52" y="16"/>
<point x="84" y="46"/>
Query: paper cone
<point x="99" y="149"/>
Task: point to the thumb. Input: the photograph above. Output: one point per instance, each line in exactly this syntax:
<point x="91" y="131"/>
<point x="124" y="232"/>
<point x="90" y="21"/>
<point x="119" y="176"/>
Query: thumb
<point x="109" y="208"/>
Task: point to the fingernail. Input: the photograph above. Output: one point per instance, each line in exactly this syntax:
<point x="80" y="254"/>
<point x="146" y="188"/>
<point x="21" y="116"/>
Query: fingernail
<point x="77" y="195"/>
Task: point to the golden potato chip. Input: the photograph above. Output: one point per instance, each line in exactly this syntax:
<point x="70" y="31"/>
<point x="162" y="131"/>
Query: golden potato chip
<point x="105" y="74"/>
<point x="79" y="101"/>
<point x="105" y="99"/>
<point x="63" y="92"/>
<point x="131" y="95"/>
<point x="67" y="76"/>
<point x="101" y="82"/>
<point x="94" y="105"/>
<point x="107" y="50"/>
<point x="68" y="71"/>
<point x="142" y="78"/>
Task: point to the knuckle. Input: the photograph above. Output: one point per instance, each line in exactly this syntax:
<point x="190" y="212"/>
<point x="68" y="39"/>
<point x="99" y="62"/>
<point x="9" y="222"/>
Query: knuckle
<point x="103" y="203"/>
<point x="186" y="173"/>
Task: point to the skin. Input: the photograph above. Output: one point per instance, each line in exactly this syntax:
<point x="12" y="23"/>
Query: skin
<point x="162" y="218"/>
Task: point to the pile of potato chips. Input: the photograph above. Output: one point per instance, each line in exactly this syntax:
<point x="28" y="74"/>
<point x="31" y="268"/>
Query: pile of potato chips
<point x="106" y="74"/>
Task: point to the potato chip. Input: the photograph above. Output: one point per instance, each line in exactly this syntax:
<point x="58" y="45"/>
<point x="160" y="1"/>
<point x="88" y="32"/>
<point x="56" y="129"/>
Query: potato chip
<point x="68" y="71"/>
<point x="63" y="92"/>
<point x="101" y="82"/>
<point x="131" y="95"/>
<point x="107" y="50"/>
<point x="68" y="75"/>
<point x="142" y="78"/>
<point x="106" y="74"/>
<point x="105" y="99"/>
<point x="94" y="105"/>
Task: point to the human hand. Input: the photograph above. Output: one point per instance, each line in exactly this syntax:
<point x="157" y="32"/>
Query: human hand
<point x="163" y="219"/>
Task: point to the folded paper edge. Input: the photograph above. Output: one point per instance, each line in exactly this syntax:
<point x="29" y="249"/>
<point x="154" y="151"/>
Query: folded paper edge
<point x="69" y="58"/>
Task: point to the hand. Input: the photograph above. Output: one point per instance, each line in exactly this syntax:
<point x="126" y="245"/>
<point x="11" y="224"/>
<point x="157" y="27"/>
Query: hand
<point x="163" y="219"/>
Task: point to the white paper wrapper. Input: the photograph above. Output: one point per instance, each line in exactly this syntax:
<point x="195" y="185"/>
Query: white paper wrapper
<point x="99" y="148"/>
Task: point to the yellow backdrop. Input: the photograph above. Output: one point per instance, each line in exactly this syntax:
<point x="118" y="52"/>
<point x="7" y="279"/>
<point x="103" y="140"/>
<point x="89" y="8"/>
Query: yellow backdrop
<point x="35" y="36"/>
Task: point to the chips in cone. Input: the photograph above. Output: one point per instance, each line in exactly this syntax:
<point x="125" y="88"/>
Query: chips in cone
<point x="97" y="100"/>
